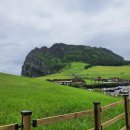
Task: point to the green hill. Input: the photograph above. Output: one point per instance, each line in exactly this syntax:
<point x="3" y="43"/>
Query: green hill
<point x="47" y="99"/>
<point x="78" y="68"/>
<point x="43" y="61"/>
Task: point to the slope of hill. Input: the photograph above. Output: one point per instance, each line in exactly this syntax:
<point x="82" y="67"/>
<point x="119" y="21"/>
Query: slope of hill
<point x="122" y="72"/>
<point x="46" y="99"/>
<point x="43" y="61"/>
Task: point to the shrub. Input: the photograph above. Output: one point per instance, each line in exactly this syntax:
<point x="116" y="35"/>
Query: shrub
<point x="108" y="85"/>
<point x="87" y="66"/>
<point x="76" y="85"/>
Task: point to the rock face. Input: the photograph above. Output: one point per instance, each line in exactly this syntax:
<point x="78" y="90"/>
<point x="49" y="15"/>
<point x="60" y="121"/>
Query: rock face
<point x="33" y="66"/>
<point x="43" y="61"/>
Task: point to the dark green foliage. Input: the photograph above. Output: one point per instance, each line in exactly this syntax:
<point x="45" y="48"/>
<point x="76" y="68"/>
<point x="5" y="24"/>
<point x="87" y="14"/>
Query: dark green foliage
<point x="87" y="66"/>
<point x="76" y="85"/>
<point x="54" y="64"/>
<point x="91" y="55"/>
<point x="126" y="62"/>
<point x="107" y="85"/>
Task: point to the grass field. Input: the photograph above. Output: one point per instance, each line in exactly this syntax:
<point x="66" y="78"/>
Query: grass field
<point x="47" y="99"/>
<point x="95" y="71"/>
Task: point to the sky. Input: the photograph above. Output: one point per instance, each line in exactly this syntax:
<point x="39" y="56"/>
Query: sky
<point x="26" y="24"/>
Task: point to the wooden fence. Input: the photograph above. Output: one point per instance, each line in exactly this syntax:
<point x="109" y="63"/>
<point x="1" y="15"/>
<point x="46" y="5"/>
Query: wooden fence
<point x="27" y="123"/>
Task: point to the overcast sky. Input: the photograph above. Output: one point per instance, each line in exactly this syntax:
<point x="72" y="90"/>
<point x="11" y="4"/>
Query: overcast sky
<point x="26" y="24"/>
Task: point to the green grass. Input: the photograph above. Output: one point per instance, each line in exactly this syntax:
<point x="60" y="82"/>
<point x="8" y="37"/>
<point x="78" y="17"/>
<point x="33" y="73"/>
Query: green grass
<point x="109" y="71"/>
<point x="48" y="99"/>
<point x="95" y="71"/>
<point x="68" y="71"/>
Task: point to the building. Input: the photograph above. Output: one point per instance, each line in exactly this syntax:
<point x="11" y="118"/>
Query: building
<point x="62" y="81"/>
<point x="68" y="81"/>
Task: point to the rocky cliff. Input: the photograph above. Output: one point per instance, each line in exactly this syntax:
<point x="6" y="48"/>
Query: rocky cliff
<point x="43" y="61"/>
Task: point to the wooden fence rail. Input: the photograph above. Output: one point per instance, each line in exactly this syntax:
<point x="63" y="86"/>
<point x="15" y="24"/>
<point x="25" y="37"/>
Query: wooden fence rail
<point x="9" y="127"/>
<point x="124" y="128"/>
<point x="98" y="110"/>
<point x="111" y="105"/>
<point x="112" y="121"/>
<point x="27" y="123"/>
<point x="50" y="120"/>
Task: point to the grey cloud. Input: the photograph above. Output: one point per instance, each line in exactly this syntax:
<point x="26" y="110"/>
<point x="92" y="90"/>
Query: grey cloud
<point x="25" y="24"/>
<point x="2" y="36"/>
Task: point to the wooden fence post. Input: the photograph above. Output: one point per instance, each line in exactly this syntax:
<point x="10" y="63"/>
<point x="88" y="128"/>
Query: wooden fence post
<point x="126" y="105"/>
<point x="97" y="116"/>
<point x="26" y="120"/>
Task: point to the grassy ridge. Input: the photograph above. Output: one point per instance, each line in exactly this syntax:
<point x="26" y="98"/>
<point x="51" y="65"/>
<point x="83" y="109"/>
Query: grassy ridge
<point x="109" y="71"/>
<point x="95" y="71"/>
<point x="48" y="99"/>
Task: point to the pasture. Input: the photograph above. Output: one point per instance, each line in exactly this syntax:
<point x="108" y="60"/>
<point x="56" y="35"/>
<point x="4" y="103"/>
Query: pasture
<point x="122" y="72"/>
<point x="48" y="99"/>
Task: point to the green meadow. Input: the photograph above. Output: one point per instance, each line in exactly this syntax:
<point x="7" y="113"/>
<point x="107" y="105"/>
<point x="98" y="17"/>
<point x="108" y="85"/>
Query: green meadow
<point x="49" y="99"/>
<point x="122" y="72"/>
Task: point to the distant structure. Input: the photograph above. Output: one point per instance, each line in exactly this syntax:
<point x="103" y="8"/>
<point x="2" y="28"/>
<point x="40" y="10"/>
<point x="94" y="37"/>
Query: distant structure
<point x="116" y="91"/>
<point x="62" y="81"/>
<point x="110" y="80"/>
<point x="68" y="81"/>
